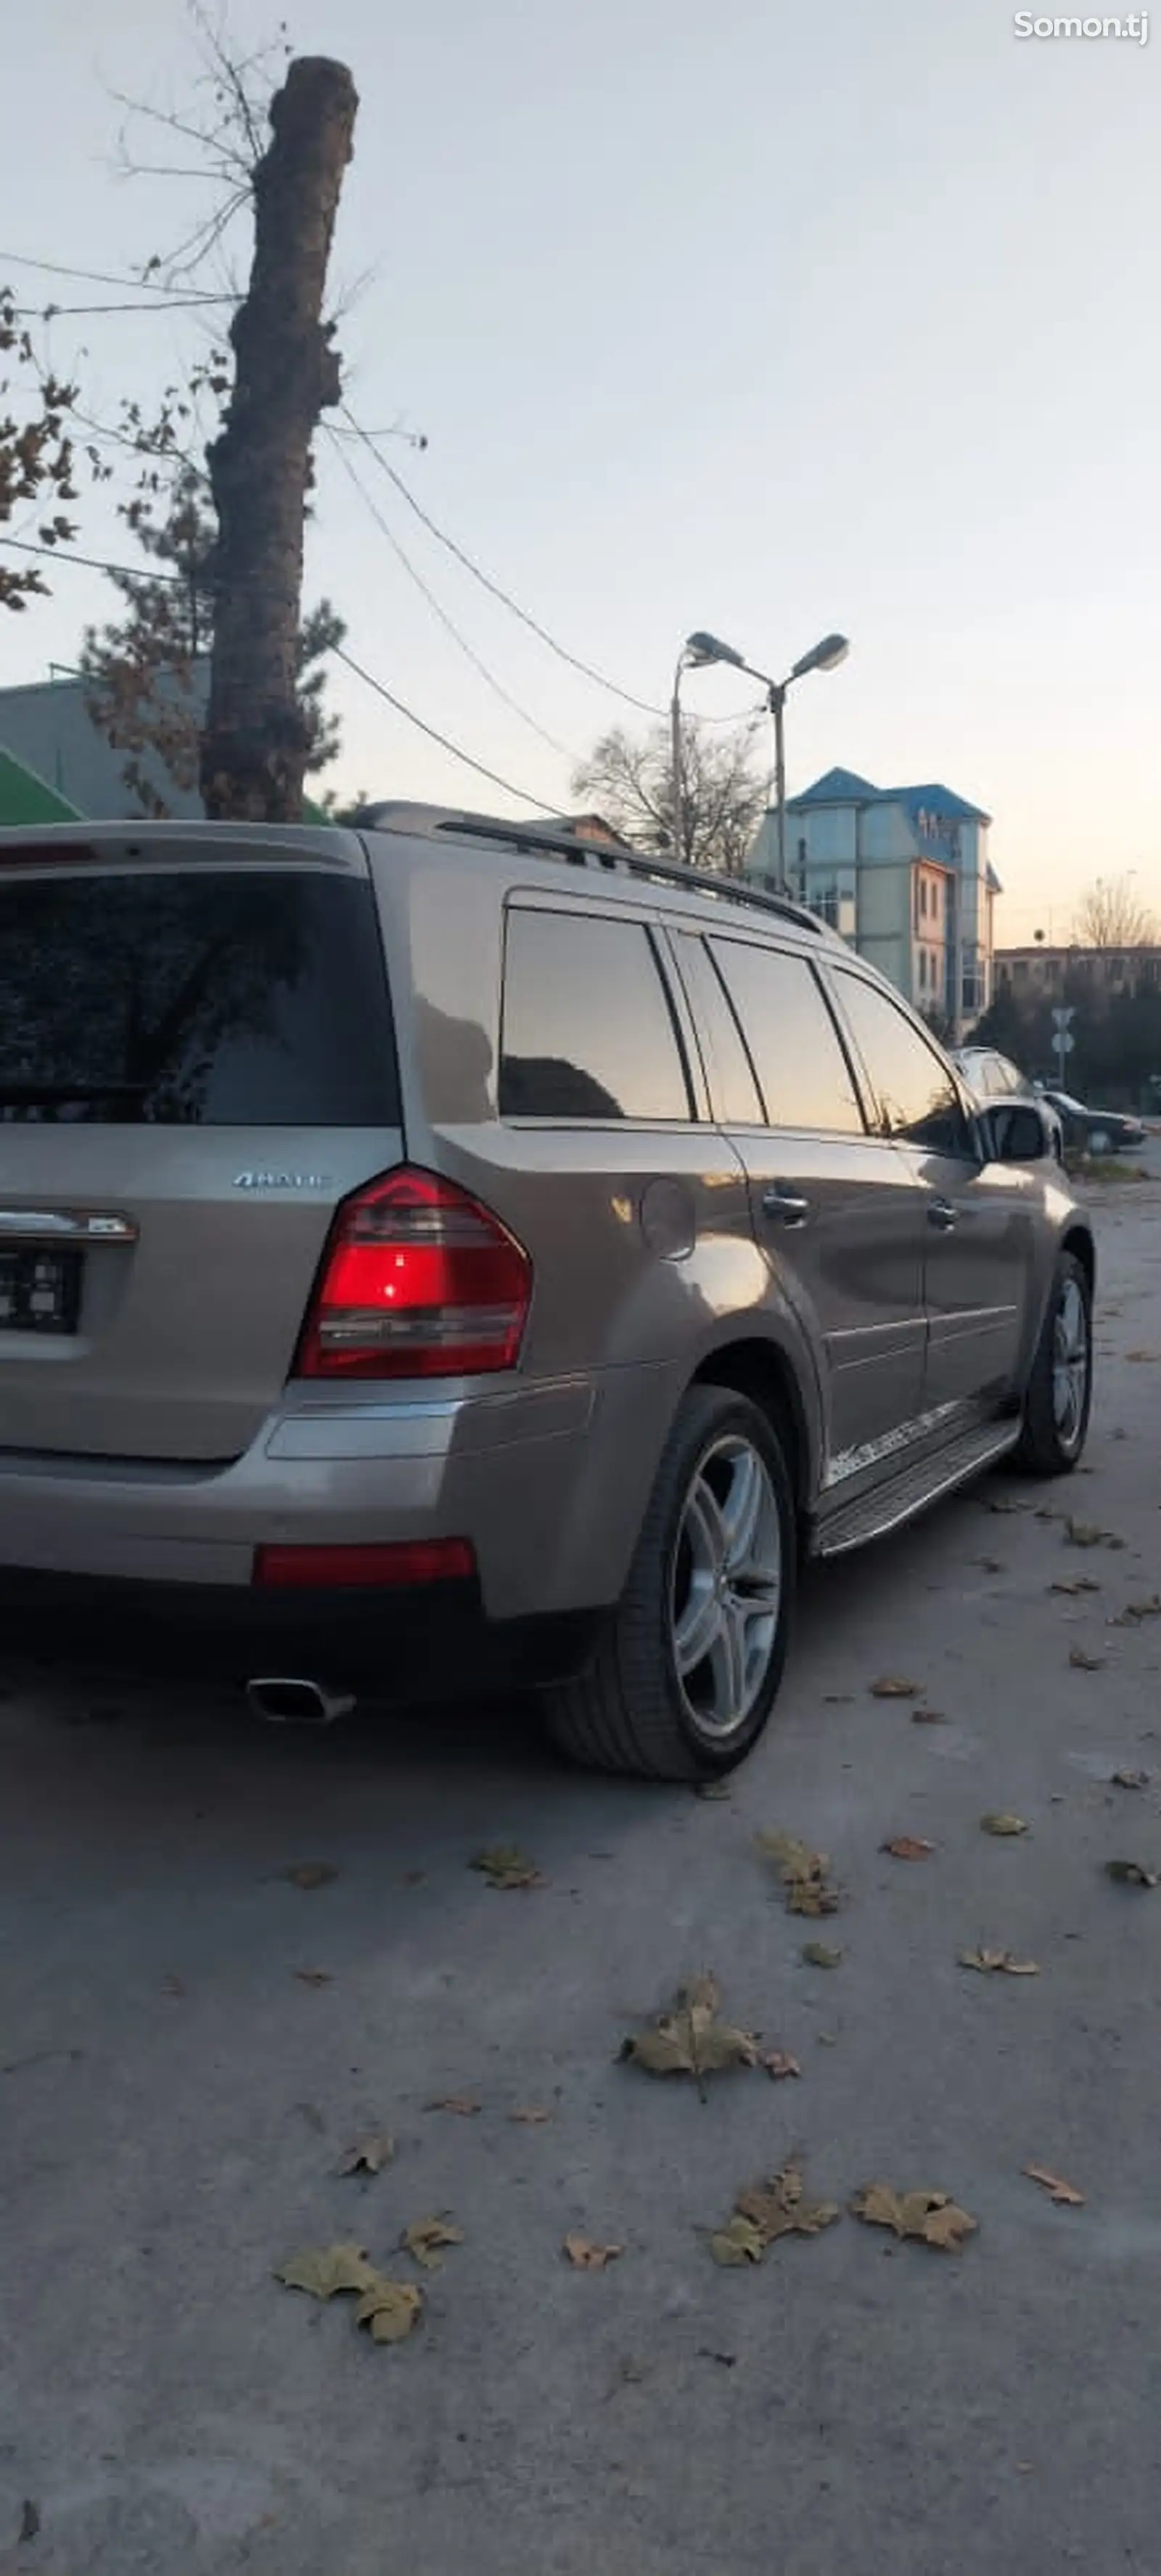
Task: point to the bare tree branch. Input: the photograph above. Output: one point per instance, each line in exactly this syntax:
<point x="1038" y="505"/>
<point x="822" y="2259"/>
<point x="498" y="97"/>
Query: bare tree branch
<point x="1111" y="915"/>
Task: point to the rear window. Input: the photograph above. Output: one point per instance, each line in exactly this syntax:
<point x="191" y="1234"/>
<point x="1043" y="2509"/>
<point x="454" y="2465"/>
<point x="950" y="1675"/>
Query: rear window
<point x="216" y="998"/>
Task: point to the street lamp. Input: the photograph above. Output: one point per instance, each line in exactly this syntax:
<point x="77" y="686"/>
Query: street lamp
<point x="701" y="648"/>
<point x="697" y="650"/>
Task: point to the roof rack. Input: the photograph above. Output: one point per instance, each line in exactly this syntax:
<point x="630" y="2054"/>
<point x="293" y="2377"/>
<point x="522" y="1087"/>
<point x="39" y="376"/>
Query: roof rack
<point x="554" y="842"/>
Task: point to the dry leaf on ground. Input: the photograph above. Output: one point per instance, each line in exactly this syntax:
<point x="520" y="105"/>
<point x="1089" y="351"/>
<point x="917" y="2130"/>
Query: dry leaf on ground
<point x="311" y="1873"/>
<point x="690" y="2039"/>
<point x="1087" y="1534"/>
<point x="425" y="2239"/>
<point x="928" y="1717"/>
<point x="1064" y="2194"/>
<point x="998" y="1963"/>
<point x="817" y="1955"/>
<point x="1130" y="1779"/>
<point x="325" y="2270"/>
<point x="991" y="1564"/>
<point x="314" y="1976"/>
<point x="461" y="2103"/>
<point x="890" y="1686"/>
<point x="908" y="1847"/>
<point x="765" y="2211"/>
<point x="930" y="2216"/>
<point x="1143" y="1355"/>
<point x="1135" y="1611"/>
<point x="504" y="1865"/>
<point x="1074" y="1583"/>
<point x="802" y="1872"/>
<point x="390" y="2309"/>
<point x="778" y="2064"/>
<point x="1003" y="1823"/>
<point x="1082" y="1662"/>
<point x="1004" y="1503"/>
<point x="368" y="2154"/>
<point x="1131" y="1873"/>
<point x="584" y="2256"/>
<point x="529" y="2117"/>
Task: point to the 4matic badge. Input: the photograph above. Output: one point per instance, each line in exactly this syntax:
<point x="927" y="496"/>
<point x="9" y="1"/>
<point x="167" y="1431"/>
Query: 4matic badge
<point x="282" y="1181"/>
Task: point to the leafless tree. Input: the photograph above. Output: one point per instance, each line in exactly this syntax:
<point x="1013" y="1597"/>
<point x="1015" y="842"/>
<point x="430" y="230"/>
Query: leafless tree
<point x="723" y="795"/>
<point x="1111" y="915"/>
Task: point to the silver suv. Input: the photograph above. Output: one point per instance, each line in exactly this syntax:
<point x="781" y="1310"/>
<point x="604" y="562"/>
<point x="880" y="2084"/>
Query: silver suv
<point x="450" y="1249"/>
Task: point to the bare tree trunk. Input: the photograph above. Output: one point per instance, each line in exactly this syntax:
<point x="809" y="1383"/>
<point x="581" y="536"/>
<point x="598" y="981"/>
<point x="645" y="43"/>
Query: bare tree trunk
<point x="255" y="743"/>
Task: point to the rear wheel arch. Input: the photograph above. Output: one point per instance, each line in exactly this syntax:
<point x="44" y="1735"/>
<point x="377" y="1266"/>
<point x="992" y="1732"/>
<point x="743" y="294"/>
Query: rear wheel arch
<point x="762" y="1371"/>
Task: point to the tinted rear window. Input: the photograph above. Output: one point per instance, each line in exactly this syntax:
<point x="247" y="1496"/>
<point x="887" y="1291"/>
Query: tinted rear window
<point x="212" y="998"/>
<point x="588" y="1031"/>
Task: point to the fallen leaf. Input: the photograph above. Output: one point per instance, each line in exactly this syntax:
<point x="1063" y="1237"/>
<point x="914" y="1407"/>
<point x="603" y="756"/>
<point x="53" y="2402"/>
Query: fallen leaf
<point x="1130" y="1779"/>
<point x="1005" y="1503"/>
<point x="690" y="2039"/>
<point x="390" y="2309"/>
<point x="460" y="2103"/>
<point x="817" y="1955"/>
<point x="1135" y="1611"/>
<point x="838" y="1699"/>
<point x="425" y="2239"/>
<point x="1073" y="1583"/>
<point x="779" y="2065"/>
<point x="504" y="1865"/>
<point x="584" y="2256"/>
<point x="530" y="2118"/>
<point x="998" y="1962"/>
<point x="1139" y="1356"/>
<point x="1048" y="1512"/>
<point x="990" y="1564"/>
<point x="325" y="2270"/>
<point x="311" y="1873"/>
<point x="765" y="2211"/>
<point x="368" y="2154"/>
<point x="314" y="1976"/>
<point x="803" y="1874"/>
<point x="907" y="1847"/>
<point x="1064" y="2194"/>
<point x="1003" y="1824"/>
<point x="29" y="2520"/>
<point x="1087" y="1534"/>
<point x="928" y="1717"/>
<point x="1082" y="1662"/>
<point x="929" y="2216"/>
<point x="1132" y="1873"/>
<point x="890" y="1687"/>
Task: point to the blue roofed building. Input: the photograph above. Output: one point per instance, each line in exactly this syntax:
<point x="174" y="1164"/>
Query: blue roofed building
<point x="904" y="874"/>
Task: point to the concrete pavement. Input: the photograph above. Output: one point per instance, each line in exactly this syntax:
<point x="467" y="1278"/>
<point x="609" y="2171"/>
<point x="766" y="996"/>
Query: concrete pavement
<point x="175" y="2097"/>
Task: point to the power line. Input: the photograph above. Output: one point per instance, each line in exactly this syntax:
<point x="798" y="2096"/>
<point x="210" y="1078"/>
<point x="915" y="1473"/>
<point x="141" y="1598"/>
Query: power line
<point x="439" y="611"/>
<point x="91" y="276"/>
<point x="171" y="304"/>
<point x="478" y="574"/>
<point x="341" y="655"/>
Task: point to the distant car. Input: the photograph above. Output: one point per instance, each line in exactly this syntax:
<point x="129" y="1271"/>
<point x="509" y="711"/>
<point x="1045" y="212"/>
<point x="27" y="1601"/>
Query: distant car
<point x="1095" y="1131"/>
<point x="990" y="1076"/>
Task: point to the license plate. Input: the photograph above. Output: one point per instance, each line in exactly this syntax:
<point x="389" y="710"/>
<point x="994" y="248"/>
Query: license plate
<point x="40" y="1292"/>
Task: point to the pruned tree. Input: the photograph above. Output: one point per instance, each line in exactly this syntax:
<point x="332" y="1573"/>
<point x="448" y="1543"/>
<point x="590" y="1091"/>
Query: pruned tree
<point x="1110" y="914"/>
<point x="37" y="456"/>
<point x="256" y="742"/>
<point x="723" y="795"/>
<point x="147" y="671"/>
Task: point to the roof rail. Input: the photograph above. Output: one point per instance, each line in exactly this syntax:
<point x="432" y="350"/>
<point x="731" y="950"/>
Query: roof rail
<point x="559" y="843"/>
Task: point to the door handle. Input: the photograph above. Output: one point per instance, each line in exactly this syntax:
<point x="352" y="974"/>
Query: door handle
<point x="941" y="1215"/>
<point x="785" y="1205"/>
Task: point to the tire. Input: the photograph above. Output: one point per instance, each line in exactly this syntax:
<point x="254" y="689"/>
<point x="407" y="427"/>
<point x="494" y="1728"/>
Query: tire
<point x="647" y="1703"/>
<point x="1058" y="1395"/>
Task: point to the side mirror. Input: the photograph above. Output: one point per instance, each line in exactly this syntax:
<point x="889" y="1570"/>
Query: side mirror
<point x="1017" y="1132"/>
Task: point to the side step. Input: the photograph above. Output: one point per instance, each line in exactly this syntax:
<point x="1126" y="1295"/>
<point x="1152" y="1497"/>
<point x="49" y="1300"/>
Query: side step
<point x="875" y="1515"/>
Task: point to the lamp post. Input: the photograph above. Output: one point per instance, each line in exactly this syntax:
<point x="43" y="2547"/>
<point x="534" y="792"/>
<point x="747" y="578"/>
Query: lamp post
<point x="697" y="650"/>
<point x="700" y="648"/>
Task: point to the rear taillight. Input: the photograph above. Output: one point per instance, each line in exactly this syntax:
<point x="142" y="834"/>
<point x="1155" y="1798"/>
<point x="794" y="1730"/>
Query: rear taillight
<point x="418" y="1280"/>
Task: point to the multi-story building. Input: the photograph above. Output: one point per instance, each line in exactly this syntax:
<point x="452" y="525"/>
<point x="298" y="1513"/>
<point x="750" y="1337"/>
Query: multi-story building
<point x="903" y="873"/>
<point x="1040" y="973"/>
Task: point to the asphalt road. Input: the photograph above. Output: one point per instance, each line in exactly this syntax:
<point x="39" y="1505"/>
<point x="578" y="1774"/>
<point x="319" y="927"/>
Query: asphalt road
<point x="175" y="2097"/>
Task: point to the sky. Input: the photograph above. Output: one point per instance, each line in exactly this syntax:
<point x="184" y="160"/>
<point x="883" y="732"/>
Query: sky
<point x="771" y="319"/>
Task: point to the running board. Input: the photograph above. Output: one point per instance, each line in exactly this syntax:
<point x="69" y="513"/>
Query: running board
<point x="890" y="1506"/>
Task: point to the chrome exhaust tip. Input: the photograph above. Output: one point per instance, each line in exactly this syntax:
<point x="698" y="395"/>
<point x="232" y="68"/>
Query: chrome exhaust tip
<point x="290" y="1700"/>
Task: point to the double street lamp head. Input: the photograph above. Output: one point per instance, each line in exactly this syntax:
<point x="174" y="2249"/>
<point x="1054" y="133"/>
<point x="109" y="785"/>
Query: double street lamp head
<point x="822" y="657"/>
<point x="701" y="648"/>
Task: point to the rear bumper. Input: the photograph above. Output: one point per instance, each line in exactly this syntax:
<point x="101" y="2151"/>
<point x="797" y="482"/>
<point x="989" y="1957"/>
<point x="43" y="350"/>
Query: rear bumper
<point x="548" y="1483"/>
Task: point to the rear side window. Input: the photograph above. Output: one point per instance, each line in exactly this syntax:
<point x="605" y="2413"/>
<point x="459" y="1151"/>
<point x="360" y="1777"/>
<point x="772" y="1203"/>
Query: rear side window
<point x="217" y="998"/>
<point x="587" y="1027"/>
<point x="798" y="1056"/>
